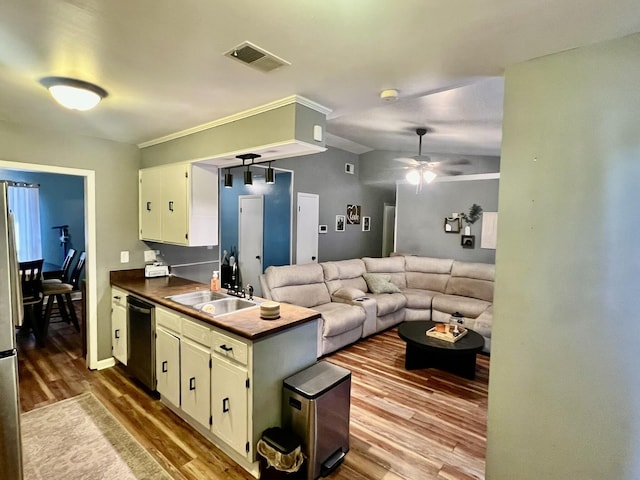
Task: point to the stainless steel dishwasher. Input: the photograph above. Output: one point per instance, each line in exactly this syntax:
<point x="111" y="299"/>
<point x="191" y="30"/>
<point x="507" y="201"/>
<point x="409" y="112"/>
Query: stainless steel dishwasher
<point x="141" y="357"/>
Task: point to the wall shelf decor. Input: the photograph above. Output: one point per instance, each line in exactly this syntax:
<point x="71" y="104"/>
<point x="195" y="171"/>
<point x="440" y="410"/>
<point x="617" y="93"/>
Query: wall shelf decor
<point x="468" y="241"/>
<point x="452" y="225"/>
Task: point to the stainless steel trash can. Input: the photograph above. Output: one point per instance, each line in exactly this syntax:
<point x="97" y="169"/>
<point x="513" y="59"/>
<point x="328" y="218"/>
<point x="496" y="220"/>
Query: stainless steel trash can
<point x="316" y="406"/>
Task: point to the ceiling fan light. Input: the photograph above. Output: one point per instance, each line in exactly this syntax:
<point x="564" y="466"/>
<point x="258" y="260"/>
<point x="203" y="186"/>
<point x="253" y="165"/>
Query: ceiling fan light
<point x="74" y="94"/>
<point x="413" y="177"/>
<point x="428" y="176"/>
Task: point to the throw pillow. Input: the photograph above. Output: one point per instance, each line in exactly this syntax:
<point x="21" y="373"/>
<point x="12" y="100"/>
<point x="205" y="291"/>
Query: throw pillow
<point x="380" y="283"/>
<point x="348" y="293"/>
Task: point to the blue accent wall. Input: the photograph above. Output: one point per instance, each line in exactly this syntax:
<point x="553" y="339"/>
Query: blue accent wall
<point x="61" y="203"/>
<point x="277" y="215"/>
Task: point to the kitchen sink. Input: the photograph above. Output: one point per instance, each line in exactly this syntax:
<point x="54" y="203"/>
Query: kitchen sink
<point x="194" y="298"/>
<point x="224" y="306"/>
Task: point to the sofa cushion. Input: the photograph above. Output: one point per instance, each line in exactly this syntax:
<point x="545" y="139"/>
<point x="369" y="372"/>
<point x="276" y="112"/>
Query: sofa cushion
<point x="344" y="273"/>
<point x="380" y="283"/>
<point x="468" y="307"/>
<point x="393" y="266"/>
<point x="427" y="273"/>
<point x="348" y="293"/>
<point x="340" y="317"/>
<point x="473" y="280"/>
<point x="387" y="303"/>
<point x="301" y="285"/>
<point x="418" y="299"/>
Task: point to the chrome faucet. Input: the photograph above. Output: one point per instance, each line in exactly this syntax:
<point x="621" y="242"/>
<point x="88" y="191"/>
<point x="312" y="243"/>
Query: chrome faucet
<point x="250" y="288"/>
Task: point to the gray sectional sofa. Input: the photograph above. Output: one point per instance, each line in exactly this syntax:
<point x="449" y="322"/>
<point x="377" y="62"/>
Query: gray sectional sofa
<point x="360" y="297"/>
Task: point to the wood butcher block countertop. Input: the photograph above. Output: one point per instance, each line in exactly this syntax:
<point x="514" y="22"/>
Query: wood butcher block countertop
<point x="245" y="323"/>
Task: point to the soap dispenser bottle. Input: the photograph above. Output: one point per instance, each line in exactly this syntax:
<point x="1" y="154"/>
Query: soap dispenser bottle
<point x="215" y="281"/>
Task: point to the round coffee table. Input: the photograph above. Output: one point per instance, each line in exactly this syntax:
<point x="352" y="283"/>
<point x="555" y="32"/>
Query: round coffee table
<point x="429" y="352"/>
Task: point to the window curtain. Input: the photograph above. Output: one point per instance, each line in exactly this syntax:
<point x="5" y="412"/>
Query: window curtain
<point x="24" y="203"/>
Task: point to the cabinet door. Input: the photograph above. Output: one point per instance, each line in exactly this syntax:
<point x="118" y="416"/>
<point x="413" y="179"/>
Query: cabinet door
<point x="151" y="204"/>
<point x="195" y="381"/>
<point x="229" y="393"/>
<point x="175" y="209"/>
<point x="119" y="332"/>
<point x="168" y="366"/>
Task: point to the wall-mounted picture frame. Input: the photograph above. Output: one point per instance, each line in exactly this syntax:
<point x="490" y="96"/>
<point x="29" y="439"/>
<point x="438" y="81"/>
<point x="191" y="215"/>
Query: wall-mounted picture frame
<point x="468" y="241"/>
<point x="323" y="228"/>
<point x="353" y="214"/>
<point x="340" y="222"/>
<point x="452" y="225"/>
<point x="366" y="224"/>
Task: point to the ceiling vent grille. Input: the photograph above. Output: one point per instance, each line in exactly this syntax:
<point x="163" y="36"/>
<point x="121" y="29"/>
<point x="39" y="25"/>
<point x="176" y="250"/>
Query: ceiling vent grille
<point x="256" y="57"/>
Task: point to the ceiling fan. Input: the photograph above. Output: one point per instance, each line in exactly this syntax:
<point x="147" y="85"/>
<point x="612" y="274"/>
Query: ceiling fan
<point x="420" y="167"/>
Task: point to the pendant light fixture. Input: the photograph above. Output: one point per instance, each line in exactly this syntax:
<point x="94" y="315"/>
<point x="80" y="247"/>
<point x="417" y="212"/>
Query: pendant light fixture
<point x="270" y="177"/>
<point x="248" y="180"/>
<point x="228" y="179"/>
<point x="74" y="94"/>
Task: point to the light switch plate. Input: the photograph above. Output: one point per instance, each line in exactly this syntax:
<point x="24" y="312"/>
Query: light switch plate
<point x="317" y="133"/>
<point x="149" y="256"/>
<point x="124" y="257"/>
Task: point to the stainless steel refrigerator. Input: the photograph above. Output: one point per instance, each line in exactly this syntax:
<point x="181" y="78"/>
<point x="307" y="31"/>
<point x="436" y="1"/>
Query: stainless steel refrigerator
<point x="10" y="316"/>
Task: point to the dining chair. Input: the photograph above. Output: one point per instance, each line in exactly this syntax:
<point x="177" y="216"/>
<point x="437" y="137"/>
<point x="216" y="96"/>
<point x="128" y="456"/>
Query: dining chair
<point x="61" y="293"/>
<point x="32" y="297"/>
<point x="62" y="275"/>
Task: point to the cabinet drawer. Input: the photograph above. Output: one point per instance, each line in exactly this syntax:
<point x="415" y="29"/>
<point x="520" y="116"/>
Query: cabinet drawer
<point x="229" y="347"/>
<point x="196" y="332"/>
<point x="168" y="320"/>
<point x="118" y="297"/>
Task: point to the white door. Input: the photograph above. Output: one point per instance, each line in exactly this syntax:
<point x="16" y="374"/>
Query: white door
<point x="308" y="215"/>
<point x="388" y="229"/>
<point x="250" y="236"/>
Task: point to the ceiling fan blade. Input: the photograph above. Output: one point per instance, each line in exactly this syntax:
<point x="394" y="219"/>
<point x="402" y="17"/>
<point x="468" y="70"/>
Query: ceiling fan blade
<point x="459" y="161"/>
<point x="407" y="160"/>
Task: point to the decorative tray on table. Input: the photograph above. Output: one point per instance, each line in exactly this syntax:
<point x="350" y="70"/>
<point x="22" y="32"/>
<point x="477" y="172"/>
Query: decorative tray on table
<point x="446" y="332"/>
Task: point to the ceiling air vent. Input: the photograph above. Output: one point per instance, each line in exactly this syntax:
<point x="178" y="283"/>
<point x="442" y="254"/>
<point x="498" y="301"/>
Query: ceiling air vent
<point x="256" y="57"/>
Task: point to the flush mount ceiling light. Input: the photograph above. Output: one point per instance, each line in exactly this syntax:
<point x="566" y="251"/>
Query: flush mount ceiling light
<point x="74" y="94"/>
<point x="390" y="95"/>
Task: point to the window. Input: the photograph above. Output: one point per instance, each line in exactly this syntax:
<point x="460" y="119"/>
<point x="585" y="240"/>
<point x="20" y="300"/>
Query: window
<point x="24" y="203"/>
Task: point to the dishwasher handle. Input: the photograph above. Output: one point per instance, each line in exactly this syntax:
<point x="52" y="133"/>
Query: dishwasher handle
<point x="135" y="308"/>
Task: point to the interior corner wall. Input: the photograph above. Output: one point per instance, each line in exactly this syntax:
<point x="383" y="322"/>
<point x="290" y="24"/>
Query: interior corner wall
<point x="324" y="174"/>
<point x="420" y="218"/>
<point x="564" y="390"/>
<point x="116" y="176"/>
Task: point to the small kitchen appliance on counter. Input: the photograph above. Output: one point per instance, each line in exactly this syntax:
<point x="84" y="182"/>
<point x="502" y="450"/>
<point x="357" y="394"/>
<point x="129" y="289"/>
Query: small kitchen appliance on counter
<point x="156" y="270"/>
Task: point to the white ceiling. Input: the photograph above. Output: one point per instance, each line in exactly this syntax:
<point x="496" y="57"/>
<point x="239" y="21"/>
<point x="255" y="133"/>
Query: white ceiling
<point x="162" y="62"/>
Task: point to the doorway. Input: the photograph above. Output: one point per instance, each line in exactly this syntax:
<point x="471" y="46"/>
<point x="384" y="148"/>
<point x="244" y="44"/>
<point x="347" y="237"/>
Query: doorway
<point x="308" y="214"/>
<point x="91" y="295"/>
<point x="388" y="229"/>
<point x="250" y="239"/>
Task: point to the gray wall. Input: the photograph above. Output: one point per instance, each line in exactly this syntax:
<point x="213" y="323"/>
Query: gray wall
<point x="116" y="166"/>
<point x="324" y="175"/>
<point x="420" y="218"/>
<point x="564" y="391"/>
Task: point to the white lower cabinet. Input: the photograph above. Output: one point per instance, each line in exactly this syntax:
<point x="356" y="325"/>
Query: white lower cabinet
<point x="229" y="394"/>
<point x="195" y="381"/>
<point x="119" y="348"/>
<point x="168" y="365"/>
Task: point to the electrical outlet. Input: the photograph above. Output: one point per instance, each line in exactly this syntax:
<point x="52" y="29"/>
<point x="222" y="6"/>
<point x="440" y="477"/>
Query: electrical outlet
<point x="149" y="255"/>
<point x="124" y="257"/>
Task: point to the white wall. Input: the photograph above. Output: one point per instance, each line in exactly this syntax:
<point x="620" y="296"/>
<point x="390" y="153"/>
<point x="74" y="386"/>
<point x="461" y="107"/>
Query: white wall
<point x="564" y="392"/>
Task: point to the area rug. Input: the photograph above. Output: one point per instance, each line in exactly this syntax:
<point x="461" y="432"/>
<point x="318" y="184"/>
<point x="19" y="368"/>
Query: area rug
<point x="79" y="439"/>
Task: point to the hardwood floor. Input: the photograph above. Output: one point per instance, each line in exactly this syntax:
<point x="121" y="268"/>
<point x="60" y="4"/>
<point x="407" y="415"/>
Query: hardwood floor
<point x="409" y="425"/>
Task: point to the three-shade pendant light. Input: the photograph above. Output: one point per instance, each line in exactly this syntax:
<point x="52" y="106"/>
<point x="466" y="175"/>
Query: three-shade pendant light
<point x="270" y="177"/>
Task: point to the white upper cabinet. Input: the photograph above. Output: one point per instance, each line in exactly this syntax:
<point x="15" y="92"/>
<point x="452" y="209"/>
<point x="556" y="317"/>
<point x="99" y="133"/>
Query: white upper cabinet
<point x="179" y="204"/>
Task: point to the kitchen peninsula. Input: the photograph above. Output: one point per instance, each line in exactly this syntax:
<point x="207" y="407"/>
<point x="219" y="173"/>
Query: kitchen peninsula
<point x="222" y="374"/>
